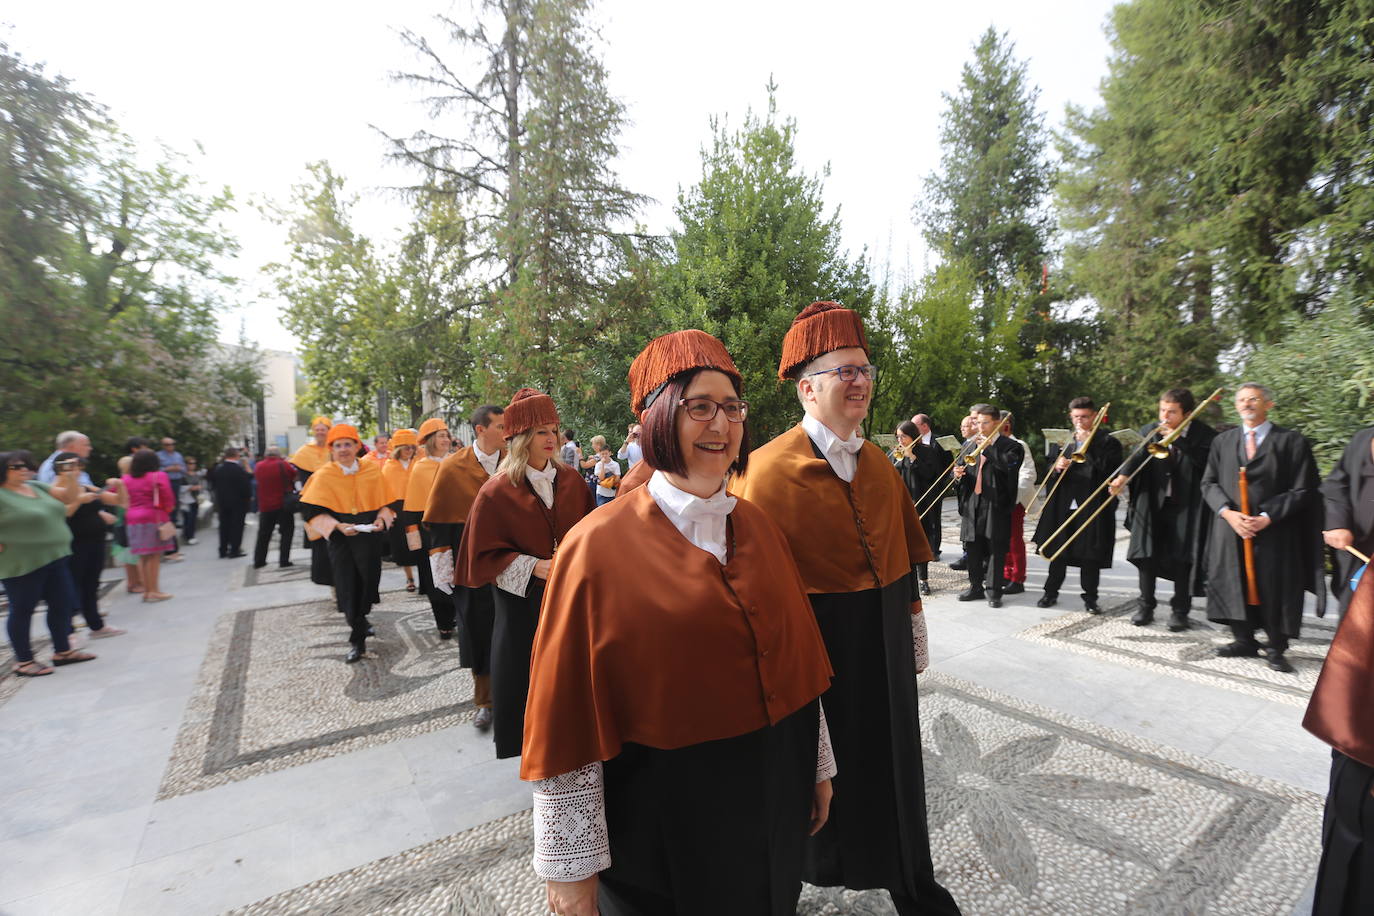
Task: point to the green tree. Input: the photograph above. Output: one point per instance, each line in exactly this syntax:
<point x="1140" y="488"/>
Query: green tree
<point x="550" y="223"/>
<point x="755" y="247"/>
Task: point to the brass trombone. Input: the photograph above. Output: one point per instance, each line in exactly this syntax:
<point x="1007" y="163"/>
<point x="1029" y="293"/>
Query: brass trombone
<point x="969" y="458"/>
<point x="1078" y="456"/>
<point x="1155" y="446"/>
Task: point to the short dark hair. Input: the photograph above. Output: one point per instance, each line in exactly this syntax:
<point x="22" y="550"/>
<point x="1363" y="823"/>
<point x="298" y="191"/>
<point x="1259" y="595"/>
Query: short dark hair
<point x="568" y="434"/>
<point x="482" y="415"/>
<point x="145" y="460"/>
<point x="658" y="429"/>
<point x="17" y="456"/>
<point x="68" y="456"/>
<point x="1083" y="403"/>
<point x="986" y="410"/>
<point x="906" y="427"/>
<point x="1182" y="397"/>
<point x="134" y="443"/>
<point x="231" y="452"/>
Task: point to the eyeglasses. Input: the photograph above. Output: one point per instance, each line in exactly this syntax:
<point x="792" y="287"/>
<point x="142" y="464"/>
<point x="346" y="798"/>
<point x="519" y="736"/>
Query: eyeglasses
<point x="703" y="410"/>
<point x="849" y="373"/>
<point x="25" y="467"/>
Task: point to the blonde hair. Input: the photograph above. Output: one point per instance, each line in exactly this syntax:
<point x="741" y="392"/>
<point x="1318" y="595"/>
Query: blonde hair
<point x="123" y="463"/>
<point x="598" y="443"/>
<point x="518" y="457"/>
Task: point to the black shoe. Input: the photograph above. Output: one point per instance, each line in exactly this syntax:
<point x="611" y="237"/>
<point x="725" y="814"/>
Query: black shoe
<point x="994" y="601"/>
<point x="1279" y="663"/>
<point x="445" y="634"/>
<point x="1238" y="650"/>
<point x="482" y="721"/>
<point x="1143" y="617"/>
<point x="1047" y="601"/>
<point x="972" y="594"/>
<point x="1178" y="622"/>
<point x="355" y="653"/>
<point x="1092" y="607"/>
<point x="286" y="564"/>
<point x="236" y="555"/>
<point x="959" y="565"/>
<point x="259" y="565"/>
<point x="925" y="587"/>
<point x="1014" y="588"/>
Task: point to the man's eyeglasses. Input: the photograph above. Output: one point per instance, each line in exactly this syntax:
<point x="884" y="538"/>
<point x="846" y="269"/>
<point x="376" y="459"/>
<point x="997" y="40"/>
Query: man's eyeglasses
<point x="849" y="373"/>
<point x="703" y="410"/>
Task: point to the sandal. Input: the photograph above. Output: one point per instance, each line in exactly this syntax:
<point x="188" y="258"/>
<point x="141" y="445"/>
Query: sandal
<point x="155" y="596"/>
<point x="31" y="669"/>
<point x="410" y="586"/>
<point x="135" y="590"/>
<point x="71" y="657"/>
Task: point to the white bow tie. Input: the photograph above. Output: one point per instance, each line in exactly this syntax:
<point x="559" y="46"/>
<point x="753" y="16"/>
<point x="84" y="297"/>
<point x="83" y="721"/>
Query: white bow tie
<point x="851" y="446"/>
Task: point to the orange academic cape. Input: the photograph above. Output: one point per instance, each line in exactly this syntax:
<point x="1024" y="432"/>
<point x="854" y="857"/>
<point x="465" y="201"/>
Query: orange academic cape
<point x="455" y="487"/>
<point x="397" y="476"/>
<point x="311" y="457"/>
<point x="506" y="521"/>
<point x="422" y="471"/>
<point x="636" y="477"/>
<point x="1341" y="711"/>
<point x="345" y="494"/>
<point x="802" y="494"/>
<point x="655" y="642"/>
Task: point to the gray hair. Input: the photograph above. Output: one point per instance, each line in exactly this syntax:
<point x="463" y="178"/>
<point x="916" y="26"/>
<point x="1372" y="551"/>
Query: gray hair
<point x="273" y="452"/>
<point x="1262" y="389"/>
<point x="68" y="436"/>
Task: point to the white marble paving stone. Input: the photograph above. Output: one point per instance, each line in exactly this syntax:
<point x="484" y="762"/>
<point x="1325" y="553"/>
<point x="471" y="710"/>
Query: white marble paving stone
<point x="200" y="879"/>
<point x="89" y="847"/>
<point x="355" y="830"/>
<point x="97" y="896"/>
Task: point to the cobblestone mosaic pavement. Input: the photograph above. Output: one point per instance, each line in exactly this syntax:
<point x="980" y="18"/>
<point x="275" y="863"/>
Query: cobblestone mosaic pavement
<point x="1191" y="654"/>
<point x="274" y="690"/>
<point x="1031" y="812"/>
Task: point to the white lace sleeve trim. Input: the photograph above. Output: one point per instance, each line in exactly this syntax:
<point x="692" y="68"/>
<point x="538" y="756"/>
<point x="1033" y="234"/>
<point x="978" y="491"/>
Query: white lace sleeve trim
<point x="570" y="839"/>
<point x="825" y="757"/>
<point x="919" y="643"/>
<point x="515" y="578"/>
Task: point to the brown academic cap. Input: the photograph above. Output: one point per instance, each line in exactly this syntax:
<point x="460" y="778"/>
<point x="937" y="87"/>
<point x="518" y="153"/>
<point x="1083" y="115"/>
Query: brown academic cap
<point x="529" y="408"/>
<point x="670" y="355"/>
<point x="820" y="328"/>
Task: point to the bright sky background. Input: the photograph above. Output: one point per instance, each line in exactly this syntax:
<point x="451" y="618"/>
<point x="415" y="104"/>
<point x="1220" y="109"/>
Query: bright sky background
<point x="265" y="87"/>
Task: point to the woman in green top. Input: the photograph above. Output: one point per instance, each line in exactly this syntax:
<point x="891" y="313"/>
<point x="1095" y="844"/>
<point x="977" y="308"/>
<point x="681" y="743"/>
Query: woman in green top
<point x="34" y="544"/>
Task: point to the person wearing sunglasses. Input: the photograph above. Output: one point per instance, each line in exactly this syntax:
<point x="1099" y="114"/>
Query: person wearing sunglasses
<point x="35" y="544"/>
<point x="855" y="537"/>
<point x="673" y="731"/>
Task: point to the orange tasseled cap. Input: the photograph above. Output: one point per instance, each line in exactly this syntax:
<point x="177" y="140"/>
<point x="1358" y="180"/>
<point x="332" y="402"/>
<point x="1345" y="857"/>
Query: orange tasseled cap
<point x="820" y="328"/>
<point x="670" y="355"/>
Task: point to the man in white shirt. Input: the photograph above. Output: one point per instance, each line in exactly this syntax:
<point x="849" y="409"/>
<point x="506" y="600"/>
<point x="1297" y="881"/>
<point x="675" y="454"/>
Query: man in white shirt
<point x="630" y="451"/>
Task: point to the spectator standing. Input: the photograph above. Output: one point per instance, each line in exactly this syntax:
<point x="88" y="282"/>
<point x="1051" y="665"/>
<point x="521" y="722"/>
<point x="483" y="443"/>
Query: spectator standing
<point x="571" y="453"/>
<point x="276" y="498"/>
<point x="191" y="489"/>
<point x="630" y="451"/>
<point x="607" y="473"/>
<point x="35" y="543"/>
<point x="232" y="485"/>
<point x="68" y="441"/>
<point x="119" y="550"/>
<point x="89" y="522"/>
<point x="149" y="497"/>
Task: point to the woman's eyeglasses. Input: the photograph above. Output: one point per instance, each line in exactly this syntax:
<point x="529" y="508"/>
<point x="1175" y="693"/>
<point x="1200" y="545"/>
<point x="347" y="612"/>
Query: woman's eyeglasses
<point x="703" y="410"/>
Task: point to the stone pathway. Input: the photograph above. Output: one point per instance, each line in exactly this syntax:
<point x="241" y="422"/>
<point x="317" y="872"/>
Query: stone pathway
<point x="221" y="756"/>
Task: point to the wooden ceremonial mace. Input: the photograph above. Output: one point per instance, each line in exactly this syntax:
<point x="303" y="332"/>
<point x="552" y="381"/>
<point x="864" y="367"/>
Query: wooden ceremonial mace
<point x="1248" y="545"/>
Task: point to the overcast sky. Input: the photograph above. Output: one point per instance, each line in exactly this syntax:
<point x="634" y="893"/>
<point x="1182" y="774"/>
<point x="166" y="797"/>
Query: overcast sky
<point x="265" y="87"/>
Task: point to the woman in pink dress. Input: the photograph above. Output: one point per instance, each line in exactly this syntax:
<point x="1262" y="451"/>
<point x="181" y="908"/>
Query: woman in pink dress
<point x="150" y="503"/>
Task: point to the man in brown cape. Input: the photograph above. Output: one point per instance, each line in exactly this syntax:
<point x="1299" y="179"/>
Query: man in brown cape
<point x="455" y="486"/>
<point x="855" y="536"/>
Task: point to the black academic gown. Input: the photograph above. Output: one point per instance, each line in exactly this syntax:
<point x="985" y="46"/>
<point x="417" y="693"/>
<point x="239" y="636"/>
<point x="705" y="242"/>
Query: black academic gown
<point x="1093" y="547"/>
<point x="1169" y="529"/>
<point x="355" y="567"/>
<point x="920" y="473"/>
<point x="475" y="607"/>
<point x="988" y="514"/>
<point x="1348" y="495"/>
<point x="1288" y="554"/>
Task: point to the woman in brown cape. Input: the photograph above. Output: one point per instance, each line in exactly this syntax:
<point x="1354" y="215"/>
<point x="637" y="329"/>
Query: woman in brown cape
<point x="344" y="505"/>
<point x="513" y="529"/>
<point x="673" y="729"/>
<point x="396" y="472"/>
<point x="435" y="442"/>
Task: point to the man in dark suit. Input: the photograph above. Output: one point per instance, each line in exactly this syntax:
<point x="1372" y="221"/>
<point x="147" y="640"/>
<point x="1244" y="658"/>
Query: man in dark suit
<point x="987" y="496"/>
<point x="232" y="485"/>
<point x="1166" y="516"/>
<point x="1348" y="493"/>
<point x="1284" y="524"/>
<point x="1091" y="548"/>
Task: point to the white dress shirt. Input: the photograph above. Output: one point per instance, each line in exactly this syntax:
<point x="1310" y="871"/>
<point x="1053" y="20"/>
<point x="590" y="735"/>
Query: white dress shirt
<point x="515" y="578"/>
<point x="701" y="521"/>
<point x="542" y="481"/>
<point x="350" y="470"/>
<point x="842" y="454"/>
<point x="488" y="462"/>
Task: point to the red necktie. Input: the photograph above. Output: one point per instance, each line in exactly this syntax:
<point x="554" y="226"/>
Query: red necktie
<point x="1250" y="445"/>
<point x="978" y="482"/>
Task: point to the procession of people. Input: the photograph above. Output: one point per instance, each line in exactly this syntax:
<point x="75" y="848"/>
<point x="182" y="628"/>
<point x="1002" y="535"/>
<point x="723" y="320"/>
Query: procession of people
<point x="725" y="705"/>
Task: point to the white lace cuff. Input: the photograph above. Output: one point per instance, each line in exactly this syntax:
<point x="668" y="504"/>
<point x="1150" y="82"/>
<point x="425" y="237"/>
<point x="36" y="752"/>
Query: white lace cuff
<point x="919" y="644"/>
<point x="825" y="757"/>
<point x="570" y="839"/>
<point x="441" y="569"/>
<point x="515" y="578"/>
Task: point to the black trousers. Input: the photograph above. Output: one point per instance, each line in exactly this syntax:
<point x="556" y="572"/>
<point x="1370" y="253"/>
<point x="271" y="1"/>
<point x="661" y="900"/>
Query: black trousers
<point x="1345" y="877"/>
<point x="356" y="563"/>
<point x="1180" y="602"/>
<point x="986" y="559"/>
<point x="231" y="529"/>
<point x="1244" y="633"/>
<point x="285" y="523"/>
<point x="476" y="616"/>
<point x="86" y="561"/>
<point x="1088" y="577"/>
<point x="512" y="643"/>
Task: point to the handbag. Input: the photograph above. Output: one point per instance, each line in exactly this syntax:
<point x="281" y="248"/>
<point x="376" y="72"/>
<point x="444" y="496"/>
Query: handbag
<point x="610" y="481"/>
<point x="166" y="531"/>
<point x="291" y="498"/>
